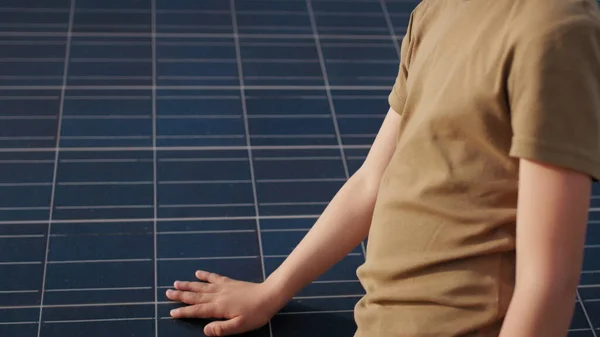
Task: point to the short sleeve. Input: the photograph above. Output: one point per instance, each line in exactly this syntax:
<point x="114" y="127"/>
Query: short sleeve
<point x="397" y="97"/>
<point x="554" y="97"/>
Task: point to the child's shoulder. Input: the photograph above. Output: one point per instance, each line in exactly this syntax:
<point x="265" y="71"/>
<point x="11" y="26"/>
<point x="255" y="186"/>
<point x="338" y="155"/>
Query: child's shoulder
<point x="547" y="18"/>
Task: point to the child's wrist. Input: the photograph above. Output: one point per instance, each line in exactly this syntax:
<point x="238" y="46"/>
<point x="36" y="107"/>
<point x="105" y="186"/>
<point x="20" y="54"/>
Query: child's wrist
<point x="279" y="287"/>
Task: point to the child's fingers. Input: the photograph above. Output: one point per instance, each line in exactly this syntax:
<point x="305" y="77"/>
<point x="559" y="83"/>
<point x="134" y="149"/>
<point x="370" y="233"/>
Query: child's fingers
<point x="188" y="297"/>
<point x="195" y="311"/>
<point x="210" y="277"/>
<point x="194" y="286"/>
<point x="225" y="328"/>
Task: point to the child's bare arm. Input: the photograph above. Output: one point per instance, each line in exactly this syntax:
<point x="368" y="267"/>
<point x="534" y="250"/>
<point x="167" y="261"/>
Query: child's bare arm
<point x="345" y="222"/>
<point x="341" y="227"/>
<point x="551" y="225"/>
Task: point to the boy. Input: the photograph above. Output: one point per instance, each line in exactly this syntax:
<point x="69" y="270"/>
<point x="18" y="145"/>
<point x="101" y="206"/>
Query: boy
<point x="476" y="191"/>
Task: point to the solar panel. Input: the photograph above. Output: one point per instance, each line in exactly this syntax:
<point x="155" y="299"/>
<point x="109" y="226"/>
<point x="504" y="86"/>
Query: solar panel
<point x="142" y="140"/>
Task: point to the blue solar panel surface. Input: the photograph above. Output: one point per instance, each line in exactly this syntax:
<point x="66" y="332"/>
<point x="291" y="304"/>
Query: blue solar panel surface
<point x="141" y="140"/>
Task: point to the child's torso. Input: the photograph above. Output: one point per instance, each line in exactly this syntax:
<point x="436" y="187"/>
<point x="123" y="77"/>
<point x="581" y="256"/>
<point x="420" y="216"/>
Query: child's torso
<point x="440" y="258"/>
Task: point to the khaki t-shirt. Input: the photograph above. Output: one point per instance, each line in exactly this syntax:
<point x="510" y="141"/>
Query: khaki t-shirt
<point x="481" y="84"/>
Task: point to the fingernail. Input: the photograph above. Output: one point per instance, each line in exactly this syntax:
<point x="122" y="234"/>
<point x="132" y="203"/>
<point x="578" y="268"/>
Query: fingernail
<point x="174" y="312"/>
<point x="169" y="292"/>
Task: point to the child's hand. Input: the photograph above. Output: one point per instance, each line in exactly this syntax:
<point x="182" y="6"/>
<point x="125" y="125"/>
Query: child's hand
<point x="245" y="306"/>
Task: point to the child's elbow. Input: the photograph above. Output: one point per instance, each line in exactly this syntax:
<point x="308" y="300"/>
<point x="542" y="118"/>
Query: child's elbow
<point x="367" y="181"/>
